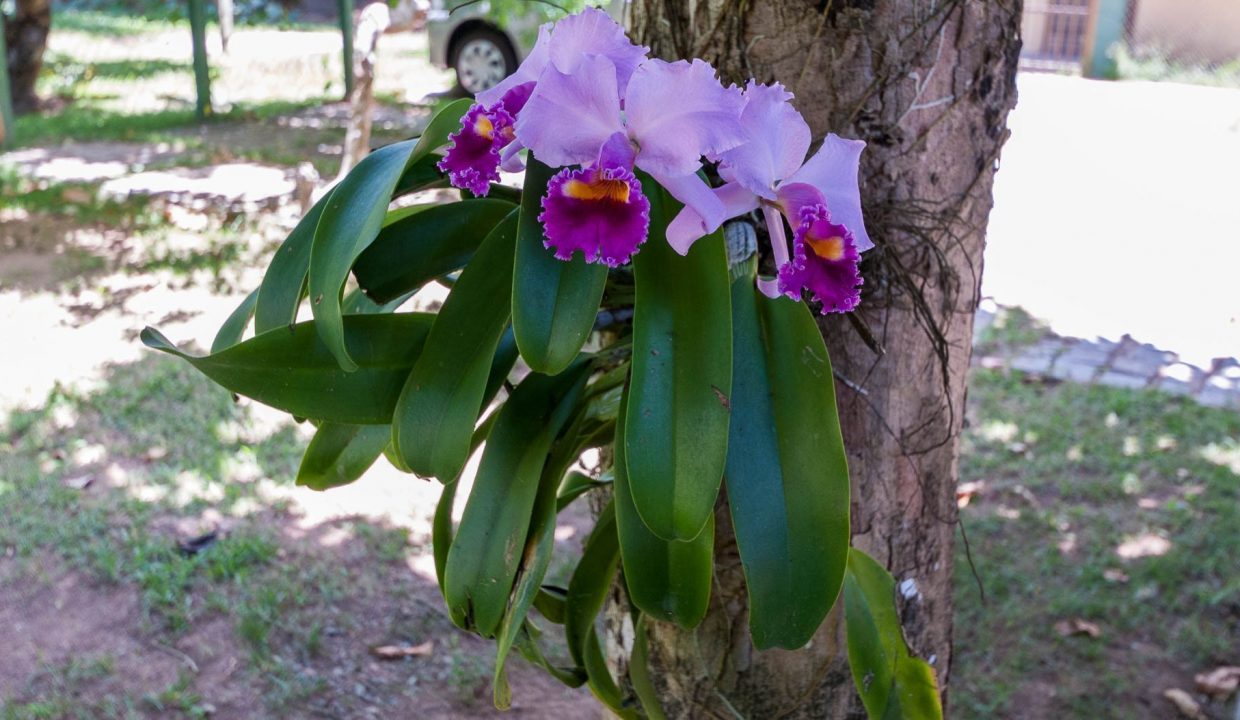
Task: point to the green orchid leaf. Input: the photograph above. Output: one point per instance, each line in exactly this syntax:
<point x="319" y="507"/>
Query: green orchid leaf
<point x="539" y="542"/>
<point x="677" y="427"/>
<point x="587" y="589"/>
<point x="420" y="247"/>
<point x="488" y="549"/>
<point x="291" y="369"/>
<point x="598" y="677"/>
<point x="284" y="283"/>
<point x="639" y="672"/>
<point x="787" y="474"/>
<point x="554" y="303"/>
<point x="441" y="530"/>
<point x="340" y="454"/>
<point x="233" y="329"/>
<point x="444" y="393"/>
<point x="667" y="579"/>
<point x="893" y="684"/>
<point x="441" y="524"/>
<point x="550" y="603"/>
<point x="350" y="221"/>
<point x="527" y="645"/>
<point x="575" y="485"/>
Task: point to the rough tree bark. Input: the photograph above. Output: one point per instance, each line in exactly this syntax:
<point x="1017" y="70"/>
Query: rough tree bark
<point x="25" y="36"/>
<point x="928" y="84"/>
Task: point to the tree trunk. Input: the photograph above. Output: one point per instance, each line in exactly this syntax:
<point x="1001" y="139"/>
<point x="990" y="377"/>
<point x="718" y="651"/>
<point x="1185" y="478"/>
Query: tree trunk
<point x="928" y="84"/>
<point x="25" y="36"/>
<point x="375" y="20"/>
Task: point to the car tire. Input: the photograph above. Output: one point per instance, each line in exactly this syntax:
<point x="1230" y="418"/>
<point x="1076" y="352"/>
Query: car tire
<point x="482" y="57"/>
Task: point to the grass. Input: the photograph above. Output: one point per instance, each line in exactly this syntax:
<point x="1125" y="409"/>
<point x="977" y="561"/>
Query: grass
<point x="1075" y="476"/>
<point x="83" y="121"/>
<point x="1152" y="64"/>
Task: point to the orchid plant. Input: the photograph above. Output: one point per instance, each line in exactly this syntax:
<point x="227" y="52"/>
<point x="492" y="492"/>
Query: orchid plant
<point x="597" y="308"/>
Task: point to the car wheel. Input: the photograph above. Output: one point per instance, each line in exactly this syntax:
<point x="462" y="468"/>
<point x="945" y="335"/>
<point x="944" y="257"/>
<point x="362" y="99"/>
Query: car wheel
<point x="483" y="59"/>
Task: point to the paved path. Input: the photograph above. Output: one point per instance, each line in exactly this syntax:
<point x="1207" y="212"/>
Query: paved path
<point x="1117" y="210"/>
<point x="1124" y="363"/>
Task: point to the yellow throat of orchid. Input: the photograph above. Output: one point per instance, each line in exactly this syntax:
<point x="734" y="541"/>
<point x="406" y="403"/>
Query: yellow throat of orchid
<point x="830" y="248"/>
<point x="598" y="188"/>
<point x="483" y="126"/>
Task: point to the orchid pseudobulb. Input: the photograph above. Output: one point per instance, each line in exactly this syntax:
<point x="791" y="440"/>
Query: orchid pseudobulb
<point x="589" y="101"/>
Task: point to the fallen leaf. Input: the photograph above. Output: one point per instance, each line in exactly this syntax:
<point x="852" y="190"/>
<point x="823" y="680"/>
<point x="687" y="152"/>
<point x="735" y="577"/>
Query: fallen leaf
<point x="396" y="652"/>
<point x="1185" y="703"/>
<point x="195" y="545"/>
<point x="1220" y="682"/>
<point x="1077" y="626"/>
<point x="79" y="482"/>
<point x="965" y="491"/>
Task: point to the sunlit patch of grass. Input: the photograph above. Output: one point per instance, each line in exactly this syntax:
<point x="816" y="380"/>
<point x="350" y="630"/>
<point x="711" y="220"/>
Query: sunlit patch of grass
<point x="1089" y="469"/>
<point x="85" y="121"/>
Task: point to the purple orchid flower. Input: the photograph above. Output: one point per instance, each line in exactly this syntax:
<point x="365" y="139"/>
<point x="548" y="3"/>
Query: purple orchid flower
<point x="820" y="198"/>
<point x="486" y="142"/>
<point x="672" y="114"/>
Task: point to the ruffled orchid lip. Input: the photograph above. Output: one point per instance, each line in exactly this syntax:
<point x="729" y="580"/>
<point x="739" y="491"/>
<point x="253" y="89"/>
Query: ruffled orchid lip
<point x="599" y="211"/>
<point x="824" y="263"/>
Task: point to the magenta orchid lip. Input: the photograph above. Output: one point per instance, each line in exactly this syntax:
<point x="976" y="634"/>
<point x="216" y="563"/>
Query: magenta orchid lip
<point x="589" y="101"/>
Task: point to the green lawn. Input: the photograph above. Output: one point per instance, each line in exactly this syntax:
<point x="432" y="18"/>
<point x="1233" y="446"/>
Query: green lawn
<point x="1076" y="477"/>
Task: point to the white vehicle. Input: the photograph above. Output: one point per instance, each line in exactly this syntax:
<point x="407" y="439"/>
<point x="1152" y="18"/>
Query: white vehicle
<point x="480" y="44"/>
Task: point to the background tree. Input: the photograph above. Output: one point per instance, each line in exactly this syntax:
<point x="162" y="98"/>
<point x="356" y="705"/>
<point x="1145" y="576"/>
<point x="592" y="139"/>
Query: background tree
<point x="928" y="84"/>
<point x="25" y="35"/>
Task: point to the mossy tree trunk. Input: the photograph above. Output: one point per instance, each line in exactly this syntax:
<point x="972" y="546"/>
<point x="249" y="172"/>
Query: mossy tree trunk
<point x="26" y="33"/>
<point x="928" y="84"/>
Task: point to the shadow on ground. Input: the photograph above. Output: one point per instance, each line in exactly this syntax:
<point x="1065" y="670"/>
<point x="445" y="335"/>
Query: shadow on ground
<point x="105" y="616"/>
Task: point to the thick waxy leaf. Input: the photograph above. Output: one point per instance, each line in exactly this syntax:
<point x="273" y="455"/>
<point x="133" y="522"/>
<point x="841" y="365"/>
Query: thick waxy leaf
<point x="639" y="673"/>
<point x="600" y="681"/>
<point x="787" y="473"/>
<point x="487" y="550"/>
<point x="677" y="426"/>
<point x="539" y="543"/>
<point x="554" y="303"/>
<point x="443" y="395"/>
<point x="575" y="485"/>
<point x="350" y="221"/>
<point x="667" y="579"/>
<point x="892" y="683"/>
<point x="587" y="589"/>
<point x="528" y="646"/>
<point x="292" y="370"/>
<point x="231" y="332"/>
<point x="441" y="525"/>
<point x="441" y="530"/>
<point x="420" y="247"/>
<point x="284" y="284"/>
<point x="340" y="454"/>
<point x="550" y="602"/>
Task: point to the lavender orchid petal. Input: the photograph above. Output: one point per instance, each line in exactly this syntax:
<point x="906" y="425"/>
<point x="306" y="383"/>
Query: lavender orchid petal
<point x="510" y="160"/>
<point x="569" y="117"/>
<point x="528" y="71"/>
<point x="833" y="170"/>
<point x="598" y="211"/>
<point x="593" y="32"/>
<point x="824" y="263"/>
<point x="778" y="139"/>
<point x="677" y="112"/>
<point x="689" y="225"/>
